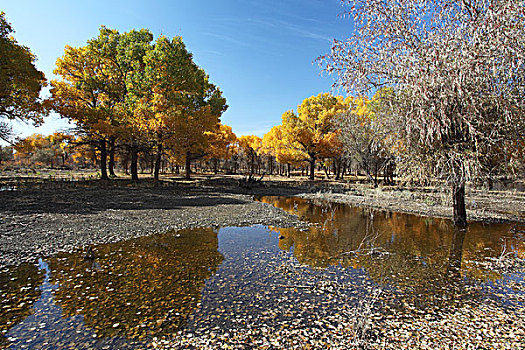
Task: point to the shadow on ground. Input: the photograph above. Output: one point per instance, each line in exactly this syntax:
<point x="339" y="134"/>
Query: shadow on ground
<point x="93" y="198"/>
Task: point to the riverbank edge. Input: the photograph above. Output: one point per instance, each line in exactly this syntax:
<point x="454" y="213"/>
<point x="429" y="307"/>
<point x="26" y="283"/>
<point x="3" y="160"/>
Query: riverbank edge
<point x="485" y="210"/>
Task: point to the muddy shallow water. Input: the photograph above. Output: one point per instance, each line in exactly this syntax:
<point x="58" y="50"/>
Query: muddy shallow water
<point x="268" y="287"/>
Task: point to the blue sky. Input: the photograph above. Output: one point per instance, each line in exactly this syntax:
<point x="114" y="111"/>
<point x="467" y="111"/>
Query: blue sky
<point x="260" y="53"/>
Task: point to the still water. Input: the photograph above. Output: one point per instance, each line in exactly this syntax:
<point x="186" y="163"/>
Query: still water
<point x="257" y="283"/>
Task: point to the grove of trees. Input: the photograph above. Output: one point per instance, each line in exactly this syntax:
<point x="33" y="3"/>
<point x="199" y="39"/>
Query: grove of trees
<point x="123" y="89"/>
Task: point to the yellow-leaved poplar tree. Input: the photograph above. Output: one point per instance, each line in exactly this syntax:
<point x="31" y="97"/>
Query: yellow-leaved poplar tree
<point x="311" y="131"/>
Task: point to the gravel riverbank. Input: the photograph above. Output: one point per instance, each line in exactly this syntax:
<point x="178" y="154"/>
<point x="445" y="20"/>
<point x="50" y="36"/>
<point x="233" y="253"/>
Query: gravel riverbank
<point x="42" y="222"/>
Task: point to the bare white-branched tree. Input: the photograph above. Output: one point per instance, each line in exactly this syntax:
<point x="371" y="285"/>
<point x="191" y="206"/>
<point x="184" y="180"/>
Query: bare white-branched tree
<point x="366" y="140"/>
<point x="453" y="76"/>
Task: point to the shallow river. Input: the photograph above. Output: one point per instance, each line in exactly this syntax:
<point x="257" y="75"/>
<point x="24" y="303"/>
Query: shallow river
<point x="333" y="284"/>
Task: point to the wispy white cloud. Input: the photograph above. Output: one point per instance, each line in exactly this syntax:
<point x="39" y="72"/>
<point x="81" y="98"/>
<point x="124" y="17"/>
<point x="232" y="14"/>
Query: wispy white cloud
<point x="293" y="28"/>
<point x="227" y="38"/>
<point x="215" y="53"/>
<point x="304" y="32"/>
<point x="253" y="43"/>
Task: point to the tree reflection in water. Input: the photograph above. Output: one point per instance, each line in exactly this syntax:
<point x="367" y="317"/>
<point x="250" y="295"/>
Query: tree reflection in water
<point x="19" y="290"/>
<point x="138" y="288"/>
<point x="424" y="261"/>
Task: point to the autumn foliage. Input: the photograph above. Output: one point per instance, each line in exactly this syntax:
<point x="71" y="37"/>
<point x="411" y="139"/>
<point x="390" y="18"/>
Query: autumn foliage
<point x="20" y="82"/>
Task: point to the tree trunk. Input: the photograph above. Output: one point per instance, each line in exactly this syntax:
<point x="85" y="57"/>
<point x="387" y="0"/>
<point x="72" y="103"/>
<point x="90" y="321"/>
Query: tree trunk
<point x="460" y="211"/>
<point x="103" y="160"/>
<point x="125" y="163"/>
<point x="388" y="173"/>
<point x="158" y="159"/>
<point x="289" y="171"/>
<point x="337" y="168"/>
<point x="188" y="165"/>
<point x="326" y="172"/>
<point x="312" y="168"/>
<point x="134" y="164"/>
<point x="368" y="173"/>
<point x="111" y="165"/>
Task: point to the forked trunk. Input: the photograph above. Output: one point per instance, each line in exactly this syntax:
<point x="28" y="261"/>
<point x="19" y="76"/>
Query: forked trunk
<point x="326" y="172"/>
